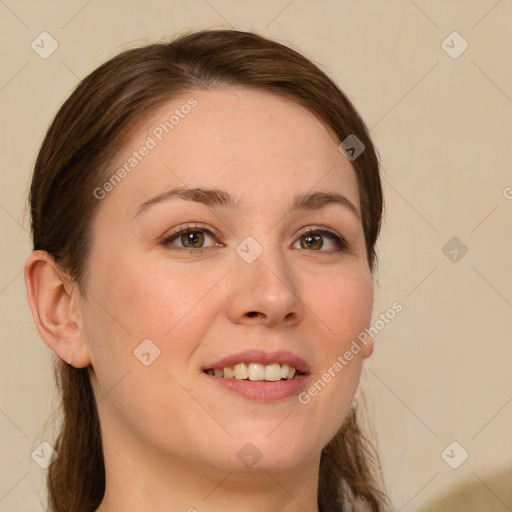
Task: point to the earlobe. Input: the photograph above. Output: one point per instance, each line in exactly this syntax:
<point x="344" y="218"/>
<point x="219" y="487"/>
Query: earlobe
<point x="52" y="300"/>
<point x="367" y="347"/>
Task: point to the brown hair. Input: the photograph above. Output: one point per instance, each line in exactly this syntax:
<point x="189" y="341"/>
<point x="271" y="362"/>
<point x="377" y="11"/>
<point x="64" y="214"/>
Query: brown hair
<point x="90" y="130"/>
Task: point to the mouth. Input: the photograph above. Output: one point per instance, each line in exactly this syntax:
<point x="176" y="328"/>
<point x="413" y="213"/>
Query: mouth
<point x="256" y="372"/>
<point x="260" y="375"/>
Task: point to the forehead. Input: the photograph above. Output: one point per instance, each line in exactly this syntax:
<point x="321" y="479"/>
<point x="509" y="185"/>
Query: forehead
<point x="256" y="145"/>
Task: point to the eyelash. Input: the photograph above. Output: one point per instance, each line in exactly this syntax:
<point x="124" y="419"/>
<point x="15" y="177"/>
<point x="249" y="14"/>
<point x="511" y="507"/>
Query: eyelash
<point x="341" y="243"/>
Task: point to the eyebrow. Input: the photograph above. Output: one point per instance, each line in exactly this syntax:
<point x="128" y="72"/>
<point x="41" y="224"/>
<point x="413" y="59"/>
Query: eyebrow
<point x="215" y="197"/>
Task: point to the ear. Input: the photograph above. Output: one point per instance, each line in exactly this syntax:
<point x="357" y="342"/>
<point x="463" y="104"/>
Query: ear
<point x="54" y="301"/>
<point x="366" y="344"/>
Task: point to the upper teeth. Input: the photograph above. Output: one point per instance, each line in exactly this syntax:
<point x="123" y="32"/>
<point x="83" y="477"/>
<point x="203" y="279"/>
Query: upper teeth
<point x="255" y="371"/>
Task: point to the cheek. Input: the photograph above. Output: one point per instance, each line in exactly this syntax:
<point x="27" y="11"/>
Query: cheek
<point x="151" y="298"/>
<point x="344" y="306"/>
<point x="173" y="308"/>
<point x="343" y="302"/>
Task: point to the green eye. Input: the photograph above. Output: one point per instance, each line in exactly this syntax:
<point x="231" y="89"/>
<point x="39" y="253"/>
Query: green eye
<point x="192" y="238"/>
<point x="189" y="238"/>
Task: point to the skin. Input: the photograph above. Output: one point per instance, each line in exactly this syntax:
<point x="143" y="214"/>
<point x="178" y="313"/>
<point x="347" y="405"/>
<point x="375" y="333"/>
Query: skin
<point x="171" y="436"/>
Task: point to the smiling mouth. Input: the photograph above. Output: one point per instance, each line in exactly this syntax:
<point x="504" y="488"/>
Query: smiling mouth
<point x="256" y="372"/>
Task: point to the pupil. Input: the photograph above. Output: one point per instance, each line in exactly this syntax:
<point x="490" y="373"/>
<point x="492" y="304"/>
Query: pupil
<point x="312" y="239"/>
<point x="190" y="238"/>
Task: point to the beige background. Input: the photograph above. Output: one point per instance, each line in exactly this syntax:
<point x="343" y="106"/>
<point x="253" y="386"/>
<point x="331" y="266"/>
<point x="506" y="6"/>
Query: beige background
<point x="441" y="368"/>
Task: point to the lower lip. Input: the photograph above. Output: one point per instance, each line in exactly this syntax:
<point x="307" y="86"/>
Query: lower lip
<point x="263" y="390"/>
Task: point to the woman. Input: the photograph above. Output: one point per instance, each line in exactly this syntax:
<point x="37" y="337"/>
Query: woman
<point x="204" y="216"/>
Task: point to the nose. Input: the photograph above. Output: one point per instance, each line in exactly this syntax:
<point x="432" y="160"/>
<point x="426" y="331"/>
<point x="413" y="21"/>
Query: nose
<point x="266" y="291"/>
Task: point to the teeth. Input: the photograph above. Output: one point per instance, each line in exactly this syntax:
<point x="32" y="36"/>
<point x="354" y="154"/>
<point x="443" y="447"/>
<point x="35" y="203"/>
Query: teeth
<point x="255" y="372"/>
<point x="273" y="372"/>
<point x="241" y="371"/>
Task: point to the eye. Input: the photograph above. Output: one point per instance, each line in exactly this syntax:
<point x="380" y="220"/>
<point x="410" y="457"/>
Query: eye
<point x="313" y="238"/>
<point x="191" y="236"/>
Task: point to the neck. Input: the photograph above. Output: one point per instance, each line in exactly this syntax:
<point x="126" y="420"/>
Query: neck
<point x="144" y="480"/>
<point x="144" y="486"/>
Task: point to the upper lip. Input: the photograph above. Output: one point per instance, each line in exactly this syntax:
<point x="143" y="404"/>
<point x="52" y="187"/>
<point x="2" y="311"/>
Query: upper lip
<point x="262" y="357"/>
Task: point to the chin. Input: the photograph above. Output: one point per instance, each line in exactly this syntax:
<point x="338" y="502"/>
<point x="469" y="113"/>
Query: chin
<point x="268" y="452"/>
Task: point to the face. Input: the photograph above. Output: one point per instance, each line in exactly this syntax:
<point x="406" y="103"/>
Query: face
<point x="179" y="288"/>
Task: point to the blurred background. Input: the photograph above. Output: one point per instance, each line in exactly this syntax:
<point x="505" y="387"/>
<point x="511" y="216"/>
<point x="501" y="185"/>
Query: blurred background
<point x="433" y="81"/>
